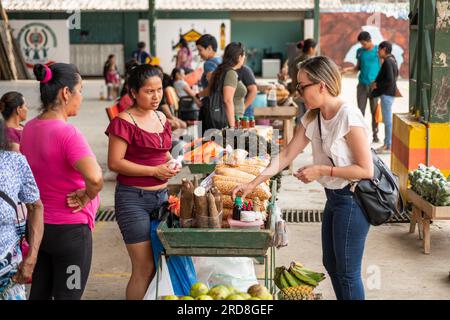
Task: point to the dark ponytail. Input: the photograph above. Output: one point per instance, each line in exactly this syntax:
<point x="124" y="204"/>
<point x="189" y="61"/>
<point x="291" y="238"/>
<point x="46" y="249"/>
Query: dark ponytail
<point x="9" y="103"/>
<point x="231" y="55"/>
<point x="54" y="78"/>
<point x="306" y="45"/>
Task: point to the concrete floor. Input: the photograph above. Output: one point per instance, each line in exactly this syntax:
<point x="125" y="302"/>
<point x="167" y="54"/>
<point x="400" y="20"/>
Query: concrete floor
<point x="394" y="265"/>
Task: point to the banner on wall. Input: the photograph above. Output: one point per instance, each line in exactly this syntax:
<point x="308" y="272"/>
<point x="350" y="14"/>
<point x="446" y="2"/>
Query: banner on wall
<point x="168" y="34"/>
<point x="42" y="41"/>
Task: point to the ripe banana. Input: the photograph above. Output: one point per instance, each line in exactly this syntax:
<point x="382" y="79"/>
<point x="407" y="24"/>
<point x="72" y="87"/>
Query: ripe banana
<point x="296" y="264"/>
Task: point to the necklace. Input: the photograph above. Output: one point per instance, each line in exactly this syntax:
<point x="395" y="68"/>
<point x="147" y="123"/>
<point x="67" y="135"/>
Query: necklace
<point x="159" y="134"/>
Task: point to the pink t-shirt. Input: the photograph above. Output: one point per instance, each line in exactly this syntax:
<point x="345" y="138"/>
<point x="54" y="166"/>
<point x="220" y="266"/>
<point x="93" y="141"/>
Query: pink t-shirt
<point x="52" y="147"/>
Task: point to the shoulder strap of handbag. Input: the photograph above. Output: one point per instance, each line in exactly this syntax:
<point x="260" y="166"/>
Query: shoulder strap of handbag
<point x="320" y="133"/>
<point x="9" y="201"/>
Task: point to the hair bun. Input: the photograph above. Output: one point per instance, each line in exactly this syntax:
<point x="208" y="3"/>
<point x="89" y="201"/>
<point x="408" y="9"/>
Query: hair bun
<point x="39" y="71"/>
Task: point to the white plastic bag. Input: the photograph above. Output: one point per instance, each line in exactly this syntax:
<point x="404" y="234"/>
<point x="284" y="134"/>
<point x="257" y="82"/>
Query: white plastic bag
<point x="238" y="272"/>
<point x="280" y="238"/>
<point x="165" y="284"/>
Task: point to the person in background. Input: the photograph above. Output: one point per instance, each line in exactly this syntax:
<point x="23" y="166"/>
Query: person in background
<point x="175" y="122"/>
<point x="181" y="87"/>
<point x="385" y="87"/>
<point x="207" y="49"/>
<point x="307" y="50"/>
<point x="246" y="75"/>
<point x="112" y="77"/>
<point x="336" y="131"/>
<point x="140" y="139"/>
<point x="140" y="55"/>
<point x="14" y="111"/>
<point x="125" y="100"/>
<point x="17" y="184"/>
<point x="226" y="78"/>
<point x="69" y="179"/>
<point x="184" y="56"/>
<point x="368" y="66"/>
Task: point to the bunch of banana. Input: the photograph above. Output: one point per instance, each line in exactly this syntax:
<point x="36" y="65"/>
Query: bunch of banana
<point x="297" y="282"/>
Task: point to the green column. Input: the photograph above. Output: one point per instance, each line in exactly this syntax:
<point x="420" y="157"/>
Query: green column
<point x="151" y="25"/>
<point x="316" y="20"/>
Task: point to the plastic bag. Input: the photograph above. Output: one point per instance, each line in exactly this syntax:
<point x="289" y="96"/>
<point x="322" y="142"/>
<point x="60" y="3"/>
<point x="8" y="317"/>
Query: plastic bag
<point x="165" y="283"/>
<point x="378" y="113"/>
<point x="181" y="269"/>
<point x="280" y="238"/>
<point x="238" y="272"/>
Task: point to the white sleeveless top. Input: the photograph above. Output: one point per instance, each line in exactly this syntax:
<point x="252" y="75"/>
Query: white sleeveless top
<point x="334" y="144"/>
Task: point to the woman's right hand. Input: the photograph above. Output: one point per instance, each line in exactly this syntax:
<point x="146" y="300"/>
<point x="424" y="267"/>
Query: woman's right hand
<point x="163" y="172"/>
<point x="243" y="189"/>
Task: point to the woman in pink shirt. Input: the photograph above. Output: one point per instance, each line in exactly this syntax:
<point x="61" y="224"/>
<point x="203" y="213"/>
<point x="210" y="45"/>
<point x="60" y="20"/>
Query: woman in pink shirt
<point x="14" y="111"/>
<point x="69" y="179"/>
<point x="139" y="142"/>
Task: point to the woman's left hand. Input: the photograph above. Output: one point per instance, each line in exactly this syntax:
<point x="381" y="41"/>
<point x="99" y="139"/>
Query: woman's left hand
<point x="25" y="271"/>
<point x="309" y="173"/>
<point x="78" y="199"/>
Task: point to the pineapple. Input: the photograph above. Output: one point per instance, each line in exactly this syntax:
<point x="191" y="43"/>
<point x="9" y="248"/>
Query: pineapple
<point x="302" y="292"/>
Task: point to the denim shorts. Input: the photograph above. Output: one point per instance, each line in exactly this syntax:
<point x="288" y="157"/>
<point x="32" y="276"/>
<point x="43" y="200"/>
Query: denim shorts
<point x="134" y="209"/>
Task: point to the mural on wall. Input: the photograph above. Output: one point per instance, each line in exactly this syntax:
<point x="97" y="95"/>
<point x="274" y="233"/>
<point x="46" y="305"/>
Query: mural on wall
<point x="168" y="34"/>
<point x="42" y="41"/>
<point x="339" y="33"/>
<point x="443" y="14"/>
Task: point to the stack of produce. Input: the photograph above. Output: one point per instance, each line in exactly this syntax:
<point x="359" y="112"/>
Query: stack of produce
<point x="297" y="282"/>
<point x="236" y="172"/>
<point x="250" y="141"/>
<point x="200" y="291"/>
<point x="431" y="184"/>
<point x="200" y="151"/>
<point x="199" y="208"/>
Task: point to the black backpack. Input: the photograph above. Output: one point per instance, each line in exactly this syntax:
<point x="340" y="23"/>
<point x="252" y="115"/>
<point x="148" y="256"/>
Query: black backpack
<point x="214" y="115"/>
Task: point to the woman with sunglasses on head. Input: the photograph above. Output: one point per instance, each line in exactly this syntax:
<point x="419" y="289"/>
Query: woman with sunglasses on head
<point x="341" y="154"/>
<point x="139" y="142"/>
<point x="69" y="179"/>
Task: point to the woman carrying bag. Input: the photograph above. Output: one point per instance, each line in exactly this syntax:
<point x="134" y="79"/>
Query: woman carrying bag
<point x="343" y="138"/>
<point x="227" y="92"/>
<point x="385" y="87"/>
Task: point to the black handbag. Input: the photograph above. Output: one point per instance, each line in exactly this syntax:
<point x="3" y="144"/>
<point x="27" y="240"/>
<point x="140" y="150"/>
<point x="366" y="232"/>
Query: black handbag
<point x="379" y="197"/>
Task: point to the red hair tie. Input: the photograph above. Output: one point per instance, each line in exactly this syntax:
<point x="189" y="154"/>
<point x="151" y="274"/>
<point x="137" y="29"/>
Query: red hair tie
<point x="48" y="74"/>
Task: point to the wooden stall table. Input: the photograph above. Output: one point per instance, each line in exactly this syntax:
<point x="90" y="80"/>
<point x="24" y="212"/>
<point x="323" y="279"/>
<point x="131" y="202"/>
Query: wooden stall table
<point x="286" y="114"/>
<point x="423" y="213"/>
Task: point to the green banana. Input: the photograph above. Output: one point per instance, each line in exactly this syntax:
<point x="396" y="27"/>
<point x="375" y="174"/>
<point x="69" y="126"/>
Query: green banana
<point x="311" y="274"/>
<point x="292" y="281"/>
<point x="302" y="277"/>
<point x="283" y="282"/>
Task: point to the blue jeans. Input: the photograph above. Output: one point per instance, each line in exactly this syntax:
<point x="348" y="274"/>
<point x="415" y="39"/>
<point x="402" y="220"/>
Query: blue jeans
<point x="249" y="111"/>
<point x="344" y="232"/>
<point x="386" y="110"/>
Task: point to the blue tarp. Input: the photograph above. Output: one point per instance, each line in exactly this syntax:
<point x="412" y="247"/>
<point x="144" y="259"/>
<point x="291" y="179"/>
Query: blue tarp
<point x="181" y="269"/>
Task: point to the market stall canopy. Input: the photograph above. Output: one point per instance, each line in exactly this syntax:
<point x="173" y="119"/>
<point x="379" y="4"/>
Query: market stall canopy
<point x="167" y="5"/>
